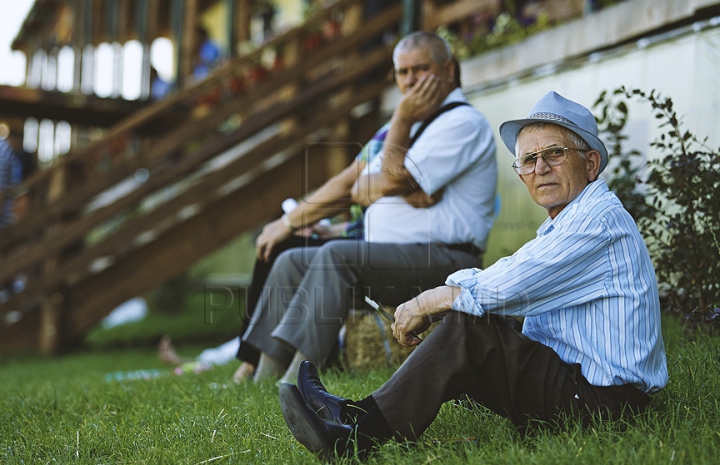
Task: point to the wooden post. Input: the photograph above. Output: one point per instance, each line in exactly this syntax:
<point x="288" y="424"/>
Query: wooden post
<point x="77" y="68"/>
<point x="231" y="14"/>
<point x="141" y="29"/>
<point x="122" y="35"/>
<point x="150" y="29"/>
<point x="244" y="19"/>
<point x="51" y="308"/>
<point x="88" y="63"/>
<point x="411" y="17"/>
<point x="29" y="66"/>
<point x="50" y="318"/>
<point x="177" y="10"/>
<point x="189" y="45"/>
<point x="77" y="44"/>
<point x="124" y="31"/>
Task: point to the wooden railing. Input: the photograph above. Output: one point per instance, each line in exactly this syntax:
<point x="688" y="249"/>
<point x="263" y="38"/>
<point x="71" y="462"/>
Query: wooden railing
<point x="62" y="189"/>
<point x="85" y="257"/>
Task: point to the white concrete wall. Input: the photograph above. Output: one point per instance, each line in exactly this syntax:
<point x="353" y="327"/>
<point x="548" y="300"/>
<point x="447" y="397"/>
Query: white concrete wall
<point x="685" y="68"/>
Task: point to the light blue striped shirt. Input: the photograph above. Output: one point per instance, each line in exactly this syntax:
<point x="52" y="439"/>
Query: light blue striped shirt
<point x="587" y="288"/>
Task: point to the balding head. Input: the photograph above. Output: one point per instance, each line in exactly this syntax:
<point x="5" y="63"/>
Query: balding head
<point x="437" y="46"/>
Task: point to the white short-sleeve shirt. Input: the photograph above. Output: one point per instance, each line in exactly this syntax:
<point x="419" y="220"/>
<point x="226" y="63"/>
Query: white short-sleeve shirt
<point x="455" y="153"/>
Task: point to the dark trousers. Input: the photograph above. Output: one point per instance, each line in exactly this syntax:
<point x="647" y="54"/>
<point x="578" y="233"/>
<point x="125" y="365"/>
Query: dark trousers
<point x="261" y="271"/>
<point x="498" y="367"/>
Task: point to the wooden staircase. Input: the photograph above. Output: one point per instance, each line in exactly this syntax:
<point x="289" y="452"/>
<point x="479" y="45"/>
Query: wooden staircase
<point x="241" y="141"/>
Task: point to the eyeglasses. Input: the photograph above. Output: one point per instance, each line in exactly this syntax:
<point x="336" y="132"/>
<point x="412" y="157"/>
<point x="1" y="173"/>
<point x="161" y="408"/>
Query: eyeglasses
<point x="553" y="156"/>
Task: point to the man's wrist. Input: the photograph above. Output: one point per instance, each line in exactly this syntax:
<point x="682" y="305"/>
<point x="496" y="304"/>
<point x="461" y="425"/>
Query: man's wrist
<point x="402" y="120"/>
<point x="443" y="297"/>
<point x="288" y="224"/>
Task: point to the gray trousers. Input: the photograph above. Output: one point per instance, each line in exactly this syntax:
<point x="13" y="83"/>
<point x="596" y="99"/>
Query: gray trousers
<point x="488" y="360"/>
<point x="309" y="291"/>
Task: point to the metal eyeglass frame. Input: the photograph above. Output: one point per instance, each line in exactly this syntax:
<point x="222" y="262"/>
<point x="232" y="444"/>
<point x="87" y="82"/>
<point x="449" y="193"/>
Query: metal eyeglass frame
<point x="529" y="161"/>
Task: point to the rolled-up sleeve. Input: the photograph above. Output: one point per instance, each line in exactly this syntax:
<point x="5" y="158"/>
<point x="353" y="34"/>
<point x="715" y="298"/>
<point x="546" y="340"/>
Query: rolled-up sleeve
<point x="444" y="151"/>
<point x="561" y="269"/>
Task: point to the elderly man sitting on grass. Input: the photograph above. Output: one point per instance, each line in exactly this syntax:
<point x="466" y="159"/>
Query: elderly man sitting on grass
<point x="590" y="344"/>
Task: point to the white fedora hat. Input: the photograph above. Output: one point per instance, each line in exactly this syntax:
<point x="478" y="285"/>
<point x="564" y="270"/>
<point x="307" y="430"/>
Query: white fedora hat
<point x="555" y="109"/>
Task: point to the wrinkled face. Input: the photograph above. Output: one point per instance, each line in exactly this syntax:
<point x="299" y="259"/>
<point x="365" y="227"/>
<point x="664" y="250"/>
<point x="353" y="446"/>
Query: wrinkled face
<point x="553" y="187"/>
<point x="412" y="64"/>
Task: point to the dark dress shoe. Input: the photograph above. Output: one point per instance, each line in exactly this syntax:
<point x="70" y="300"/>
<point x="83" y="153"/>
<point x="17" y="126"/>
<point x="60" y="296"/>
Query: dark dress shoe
<point x="320" y="437"/>
<point x="328" y="406"/>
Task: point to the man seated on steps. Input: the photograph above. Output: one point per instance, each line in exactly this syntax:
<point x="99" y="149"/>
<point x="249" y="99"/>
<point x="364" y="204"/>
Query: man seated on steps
<point x="591" y="343"/>
<point x="309" y="291"/>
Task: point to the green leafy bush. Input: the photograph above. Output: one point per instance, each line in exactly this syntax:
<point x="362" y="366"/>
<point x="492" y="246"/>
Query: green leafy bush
<point x="507" y="30"/>
<point x="676" y="205"/>
<point x="627" y="167"/>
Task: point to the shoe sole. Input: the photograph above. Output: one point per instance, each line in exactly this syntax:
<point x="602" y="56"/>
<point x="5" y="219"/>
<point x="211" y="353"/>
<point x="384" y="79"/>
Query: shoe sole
<point x="299" y="418"/>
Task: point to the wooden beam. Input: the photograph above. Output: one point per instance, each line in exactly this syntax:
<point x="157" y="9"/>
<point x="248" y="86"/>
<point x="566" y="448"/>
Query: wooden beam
<point x="179" y="248"/>
<point x="76" y="109"/>
<point x="206" y="191"/>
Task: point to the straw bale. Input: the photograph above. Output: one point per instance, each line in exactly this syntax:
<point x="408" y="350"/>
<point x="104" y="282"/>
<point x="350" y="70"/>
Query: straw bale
<point x="365" y="341"/>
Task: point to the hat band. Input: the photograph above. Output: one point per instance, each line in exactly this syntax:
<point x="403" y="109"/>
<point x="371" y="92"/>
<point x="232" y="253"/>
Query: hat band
<point x="551" y="116"/>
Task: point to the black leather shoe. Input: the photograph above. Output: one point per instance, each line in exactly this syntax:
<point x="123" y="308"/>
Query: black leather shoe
<point x="327" y="406"/>
<point x="320" y="437"/>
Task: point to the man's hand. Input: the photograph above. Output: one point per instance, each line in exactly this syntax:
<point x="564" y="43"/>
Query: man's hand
<point x="272" y="234"/>
<point x="410" y="319"/>
<point x="419" y="199"/>
<point x="422" y="99"/>
<point x="323" y="231"/>
<point x="415" y="316"/>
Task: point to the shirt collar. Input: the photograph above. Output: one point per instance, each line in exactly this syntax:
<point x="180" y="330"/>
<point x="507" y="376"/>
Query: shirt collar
<point x="455" y="95"/>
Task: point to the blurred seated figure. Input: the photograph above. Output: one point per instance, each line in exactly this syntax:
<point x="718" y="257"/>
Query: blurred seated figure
<point x="159" y="88"/>
<point x="208" y="54"/>
<point x="10" y="174"/>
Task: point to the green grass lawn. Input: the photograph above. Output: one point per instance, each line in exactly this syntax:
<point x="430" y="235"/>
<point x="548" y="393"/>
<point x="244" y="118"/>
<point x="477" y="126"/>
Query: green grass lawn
<point x="64" y="411"/>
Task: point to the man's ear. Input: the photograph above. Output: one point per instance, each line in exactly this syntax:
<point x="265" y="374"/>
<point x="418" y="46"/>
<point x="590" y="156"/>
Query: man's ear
<point x="451" y="70"/>
<point x="593" y="164"/>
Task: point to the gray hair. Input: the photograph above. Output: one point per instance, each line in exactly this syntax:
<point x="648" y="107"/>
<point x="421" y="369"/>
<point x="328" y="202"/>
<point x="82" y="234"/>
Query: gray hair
<point x="440" y="51"/>
<point x="572" y="137"/>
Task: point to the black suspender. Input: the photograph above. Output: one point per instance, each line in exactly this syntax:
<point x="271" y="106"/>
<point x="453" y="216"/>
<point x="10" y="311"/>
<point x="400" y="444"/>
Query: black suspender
<point x="432" y="117"/>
